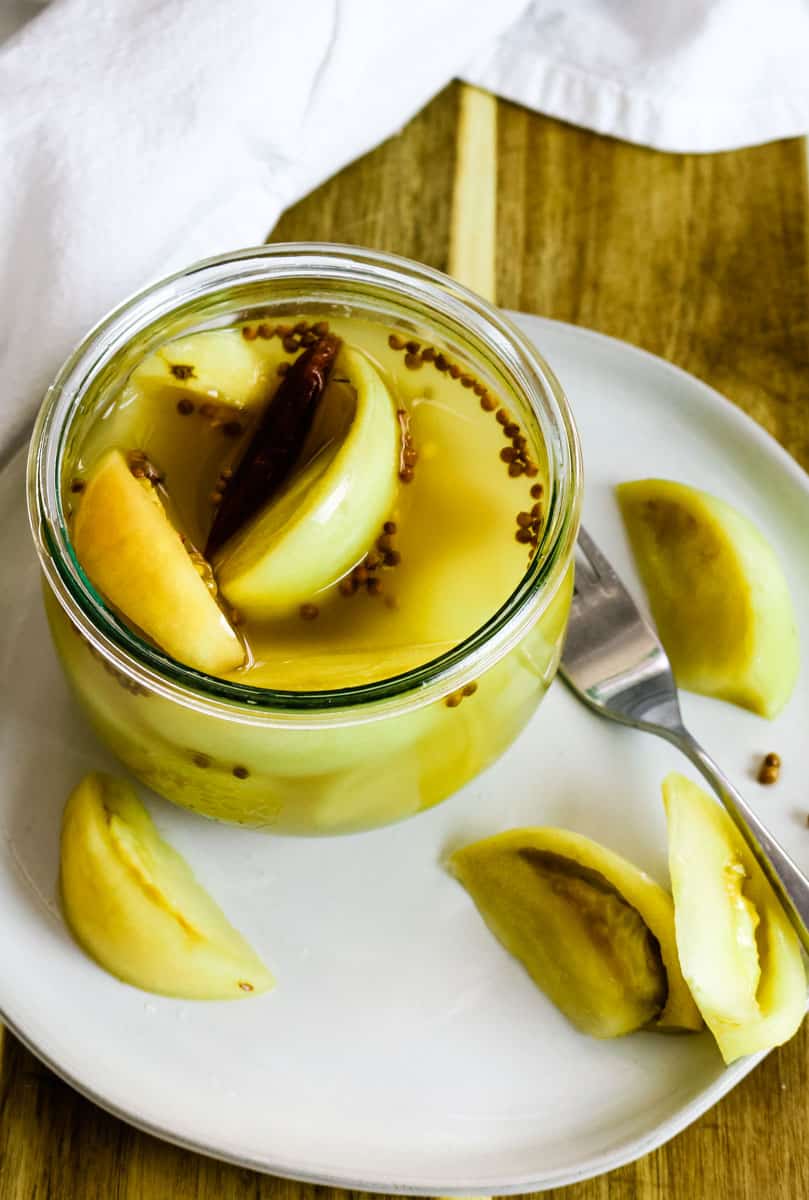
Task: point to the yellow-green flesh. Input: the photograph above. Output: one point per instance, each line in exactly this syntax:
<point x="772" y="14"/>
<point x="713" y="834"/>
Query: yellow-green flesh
<point x="593" y="932"/>
<point x="739" y="954"/>
<point x="717" y="592"/>
<point x="135" y="906"/>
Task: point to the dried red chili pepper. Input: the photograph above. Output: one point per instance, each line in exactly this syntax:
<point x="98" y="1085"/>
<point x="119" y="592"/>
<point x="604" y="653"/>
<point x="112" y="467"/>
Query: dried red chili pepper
<point x="276" y="444"/>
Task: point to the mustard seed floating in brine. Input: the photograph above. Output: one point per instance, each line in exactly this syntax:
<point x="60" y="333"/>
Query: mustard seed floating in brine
<point x="318" y="461"/>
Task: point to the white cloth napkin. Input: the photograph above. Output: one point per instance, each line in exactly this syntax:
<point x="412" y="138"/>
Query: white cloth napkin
<point x="682" y="75"/>
<point x="139" y="135"/>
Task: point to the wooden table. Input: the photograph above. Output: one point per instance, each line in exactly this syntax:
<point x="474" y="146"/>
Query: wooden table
<point x="701" y="259"/>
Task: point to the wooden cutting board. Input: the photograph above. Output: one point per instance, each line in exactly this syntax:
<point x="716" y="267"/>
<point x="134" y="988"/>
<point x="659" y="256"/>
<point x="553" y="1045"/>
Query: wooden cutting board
<point x="701" y="259"/>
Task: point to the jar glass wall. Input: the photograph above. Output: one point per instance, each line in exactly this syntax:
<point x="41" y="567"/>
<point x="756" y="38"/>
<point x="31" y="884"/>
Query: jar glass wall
<point x="318" y="761"/>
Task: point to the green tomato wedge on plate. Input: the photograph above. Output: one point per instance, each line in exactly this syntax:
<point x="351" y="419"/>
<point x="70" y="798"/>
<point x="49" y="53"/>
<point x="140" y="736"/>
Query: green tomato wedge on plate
<point x="594" y="932"/>
<point x="739" y="954"/>
<point x="135" y="906"/>
<point x="717" y="593"/>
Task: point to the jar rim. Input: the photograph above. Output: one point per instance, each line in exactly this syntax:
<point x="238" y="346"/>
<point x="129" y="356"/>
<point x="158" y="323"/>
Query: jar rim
<point x="382" y="273"/>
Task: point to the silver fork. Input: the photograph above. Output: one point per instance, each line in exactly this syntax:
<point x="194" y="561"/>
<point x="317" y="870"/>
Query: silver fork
<point x="614" y="662"/>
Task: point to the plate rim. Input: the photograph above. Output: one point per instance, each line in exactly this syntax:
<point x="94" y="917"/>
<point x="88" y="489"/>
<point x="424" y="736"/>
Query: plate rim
<point x="562" y="1177"/>
<point x="597" y="1164"/>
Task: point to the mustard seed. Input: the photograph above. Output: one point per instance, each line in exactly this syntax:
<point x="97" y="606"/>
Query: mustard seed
<point x="373" y="586"/>
<point x="389" y="527"/>
<point x="470" y="689"/>
<point x="441" y="363"/>
<point x="395" y="342"/>
<point x="412" y="347"/>
<point x="524" y="520"/>
<point x="531" y="469"/>
<point x="291" y="344"/>
<point x="428" y="354"/>
<point x="360" y="575"/>
<point x="515" y="469"/>
<point x="502" y="416"/>
<point x="207" y="410"/>
<point x="301" y="327"/>
<point x="384" y="543"/>
<point x="216" y="497"/>
<point x="392" y="558"/>
<point x="406" y="475"/>
<point x="453" y="699"/>
<point x="308" y="339"/>
<point x="412" y="361"/>
<point x="185" y="407"/>
<point x="536" y="509"/>
<point x="536" y="491"/>
<point x="508" y="454"/>
<point x="467" y="381"/>
<point x="348" y="586"/>
<point x="77" y="486"/>
<point x="512" y="430"/>
<point x="232" y="428"/>
<point x="479" y="389"/>
<point x="241" y="772"/>
<point x="373" y="560"/>
<point x="283" y="367"/>
<point x="201" y="760"/>
<point x="308" y="612"/>
<point x="410" y="457"/>
<point x="248" y="333"/>
<point x="488" y="403"/>
<point x="523" y="535"/>
<point x="283" y="330"/>
<point x="770" y="769"/>
<point x="265" y="331"/>
<point x="454" y="370"/>
<point x="321" y="328"/>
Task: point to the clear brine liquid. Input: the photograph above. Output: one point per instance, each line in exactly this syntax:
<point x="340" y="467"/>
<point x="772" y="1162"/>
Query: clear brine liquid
<point x="460" y="531"/>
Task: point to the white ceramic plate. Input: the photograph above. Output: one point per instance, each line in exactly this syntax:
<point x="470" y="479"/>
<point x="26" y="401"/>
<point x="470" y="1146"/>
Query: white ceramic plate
<point x="403" y="1050"/>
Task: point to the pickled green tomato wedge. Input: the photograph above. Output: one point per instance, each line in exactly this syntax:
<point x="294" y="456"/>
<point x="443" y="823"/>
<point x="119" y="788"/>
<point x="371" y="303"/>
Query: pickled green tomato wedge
<point x="133" y="554"/>
<point x="739" y="954"/>
<point x="135" y="906"/>
<point x="218" y="365"/>
<point x="717" y="592"/>
<point x="594" y="932"/>
<point x="327" y="514"/>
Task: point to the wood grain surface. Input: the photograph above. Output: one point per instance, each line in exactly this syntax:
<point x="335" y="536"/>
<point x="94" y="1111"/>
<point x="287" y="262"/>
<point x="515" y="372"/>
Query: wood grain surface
<point x="701" y="259"/>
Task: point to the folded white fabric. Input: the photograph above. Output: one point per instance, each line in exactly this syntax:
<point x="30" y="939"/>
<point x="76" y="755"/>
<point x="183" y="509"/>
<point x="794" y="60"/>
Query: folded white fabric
<point x="139" y="135"/>
<point x="683" y="75"/>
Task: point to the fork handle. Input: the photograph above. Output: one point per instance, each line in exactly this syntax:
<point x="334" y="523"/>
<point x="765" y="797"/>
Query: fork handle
<point x="787" y="880"/>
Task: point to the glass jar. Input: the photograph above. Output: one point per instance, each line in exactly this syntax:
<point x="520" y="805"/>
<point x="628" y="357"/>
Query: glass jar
<point x="326" y="761"/>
